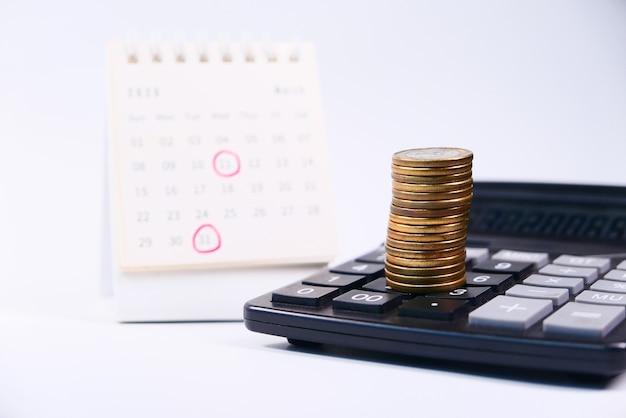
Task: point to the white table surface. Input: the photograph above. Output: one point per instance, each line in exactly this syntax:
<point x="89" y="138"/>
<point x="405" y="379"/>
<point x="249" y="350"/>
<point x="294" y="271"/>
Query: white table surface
<point x="537" y="89"/>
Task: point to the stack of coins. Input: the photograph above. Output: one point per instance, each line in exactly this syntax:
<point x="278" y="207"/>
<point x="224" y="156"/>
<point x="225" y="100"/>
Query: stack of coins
<point x="431" y="198"/>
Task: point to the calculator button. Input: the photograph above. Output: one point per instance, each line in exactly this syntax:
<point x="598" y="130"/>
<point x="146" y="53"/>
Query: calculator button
<point x="376" y="256"/>
<point x="602" y="264"/>
<point x="588" y="273"/>
<point x="355" y="267"/>
<point x="498" y="282"/>
<point x="432" y="308"/>
<point x="380" y="285"/>
<point x="622" y="265"/>
<point x="475" y="255"/>
<point x="602" y="298"/>
<point x="557" y="295"/>
<point x="619" y="275"/>
<point x="573" y="284"/>
<point x="473" y="295"/>
<point x="609" y="286"/>
<point x="302" y="294"/>
<point x="583" y="319"/>
<point x="518" y="269"/>
<point x="366" y="301"/>
<point x="538" y="259"/>
<point x="334" y="279"/>
<point x="511" y="312"/>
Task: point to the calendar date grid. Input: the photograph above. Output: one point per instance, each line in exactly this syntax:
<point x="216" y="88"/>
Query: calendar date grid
<point x="221" y="168"/>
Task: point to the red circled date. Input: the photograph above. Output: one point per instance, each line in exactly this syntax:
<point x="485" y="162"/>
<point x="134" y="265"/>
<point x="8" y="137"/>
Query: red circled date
<point x="206" y="239"/>
<point x="226" y="163"/>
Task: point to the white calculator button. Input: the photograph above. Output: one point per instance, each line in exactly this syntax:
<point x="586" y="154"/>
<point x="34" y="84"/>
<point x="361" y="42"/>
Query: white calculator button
<point x="539" y="259"/>
<point x="583" y="319"/>
<point x="602" y="264"/>
<point x="511" y="312"/>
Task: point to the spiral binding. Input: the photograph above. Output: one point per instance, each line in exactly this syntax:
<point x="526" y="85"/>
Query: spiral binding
<point x="156" y="50"/>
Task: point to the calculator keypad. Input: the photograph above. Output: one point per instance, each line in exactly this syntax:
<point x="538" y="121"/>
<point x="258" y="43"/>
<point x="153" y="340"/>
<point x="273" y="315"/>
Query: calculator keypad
<point x="505" y="290"/>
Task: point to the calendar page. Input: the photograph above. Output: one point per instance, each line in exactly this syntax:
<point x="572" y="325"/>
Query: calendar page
<point x="217" y="156"/>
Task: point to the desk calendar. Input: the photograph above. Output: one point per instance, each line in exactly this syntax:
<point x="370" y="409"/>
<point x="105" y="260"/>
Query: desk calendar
<point x="217" y="157"/>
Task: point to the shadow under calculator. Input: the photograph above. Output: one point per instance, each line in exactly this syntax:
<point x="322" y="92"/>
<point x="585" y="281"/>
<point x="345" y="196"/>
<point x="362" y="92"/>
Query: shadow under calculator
<point x="528" y="375"/>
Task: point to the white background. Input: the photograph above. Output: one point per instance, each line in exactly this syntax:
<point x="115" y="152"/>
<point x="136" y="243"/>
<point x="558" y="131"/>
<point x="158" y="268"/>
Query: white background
<point x="536" y="89"/>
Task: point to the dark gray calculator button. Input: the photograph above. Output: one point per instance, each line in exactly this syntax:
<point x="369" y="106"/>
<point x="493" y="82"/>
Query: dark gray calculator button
<point x="474" y="295"/>
<point x="584" y="320"/>
<point x="574" y="284"/>
<point x="558" y="296"/>
<point x="431" y="308"/>
<point x="538" y="259"/>
<point x="366" y="301"/>
<point x="380" y="285"/>
<point x="619" y="275"/>
<point x="355" y="267"/>
<point x="334" y="279"/>
<point x="302" y="294"/>
<point x="498" y="282"/>
<point x="588" y="273"/>
<point x="518" y="269"/>
<point x="511" y="312"/>
<point x="376" y="256"/>
<point x="602" y="264"/>
<point x="610" y="286"/>
<point x="602" y="298"/>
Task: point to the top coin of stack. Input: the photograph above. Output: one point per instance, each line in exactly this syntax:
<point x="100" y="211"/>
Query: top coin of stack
<point x="430" y="205"/>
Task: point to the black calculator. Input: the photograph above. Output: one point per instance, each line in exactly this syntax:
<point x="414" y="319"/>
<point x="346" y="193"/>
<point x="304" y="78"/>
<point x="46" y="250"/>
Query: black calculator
<point x="545" y="289"/>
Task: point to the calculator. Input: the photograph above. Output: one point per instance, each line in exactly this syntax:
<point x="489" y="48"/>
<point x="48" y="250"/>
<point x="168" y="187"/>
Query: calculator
<point x="545" y="289"/>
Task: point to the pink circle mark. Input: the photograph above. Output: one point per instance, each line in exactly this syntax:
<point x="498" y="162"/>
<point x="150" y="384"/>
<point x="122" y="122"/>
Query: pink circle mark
<point x="214" y="248"/>
<point x="229" y="173"/>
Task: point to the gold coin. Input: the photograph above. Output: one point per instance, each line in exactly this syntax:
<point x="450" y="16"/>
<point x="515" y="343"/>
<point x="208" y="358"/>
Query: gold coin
<point x="426" y="237"/>
<point x="417" y="277"/>
<point x="430" y="254"/>
<point x="432" y="204"/>
<point x="431" y="233"/>
<point x="432" y="187"/>
<point x="429" y="213"/>
<point x="406" y="275"/>
<point x="432" y="157"/>
<point x="419" y="282"/>
<point x="423" y="289"/>
<point x="423" y="254"/>
<point x="420" y="279"/>
<point x="430" y="172"/>
<point x="436" y="273"/>
<point x="443" y="220"/>
<point x="422" y="263"/>
<point x="409" y="195"/>
<point x="452" y="178"/>
<point x="422" y="246"/>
